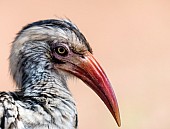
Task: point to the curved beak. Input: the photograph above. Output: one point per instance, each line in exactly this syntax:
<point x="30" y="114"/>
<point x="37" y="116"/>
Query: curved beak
<point x="88" y="70"/>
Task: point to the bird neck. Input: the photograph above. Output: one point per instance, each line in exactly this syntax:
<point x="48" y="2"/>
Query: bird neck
<point x="40" y="81"/>
<point x="50" y="88"/>
<point x="43" y="81"/>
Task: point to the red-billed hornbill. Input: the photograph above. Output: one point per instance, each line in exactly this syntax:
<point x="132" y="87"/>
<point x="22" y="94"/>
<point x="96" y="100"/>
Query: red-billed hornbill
<point x="43" y="55"/>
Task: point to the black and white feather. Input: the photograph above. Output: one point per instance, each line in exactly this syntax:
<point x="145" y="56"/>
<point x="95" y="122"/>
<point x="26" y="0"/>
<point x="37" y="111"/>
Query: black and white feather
<point x="42" y="100"/>
<point x="43" y="55"/>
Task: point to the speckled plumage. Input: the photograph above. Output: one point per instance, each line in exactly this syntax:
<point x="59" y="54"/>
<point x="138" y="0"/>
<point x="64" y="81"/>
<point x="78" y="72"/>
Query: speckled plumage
<point x="43" y="100"/>
<point x="43" y="55"/>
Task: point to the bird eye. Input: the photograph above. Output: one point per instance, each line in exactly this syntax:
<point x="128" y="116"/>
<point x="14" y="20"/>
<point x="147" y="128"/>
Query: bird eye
<point x="60" y="50"/>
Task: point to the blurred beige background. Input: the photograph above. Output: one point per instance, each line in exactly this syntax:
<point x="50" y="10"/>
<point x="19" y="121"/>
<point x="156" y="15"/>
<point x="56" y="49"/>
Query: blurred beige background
<point x="130" y="39"/>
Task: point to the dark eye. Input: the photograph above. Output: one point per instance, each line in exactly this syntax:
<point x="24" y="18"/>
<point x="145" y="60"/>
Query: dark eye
<point x="62" y="51"/>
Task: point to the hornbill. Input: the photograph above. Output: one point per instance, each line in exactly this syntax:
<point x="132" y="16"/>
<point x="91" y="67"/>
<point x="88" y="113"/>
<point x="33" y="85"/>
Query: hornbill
<point x="43" y="55"/>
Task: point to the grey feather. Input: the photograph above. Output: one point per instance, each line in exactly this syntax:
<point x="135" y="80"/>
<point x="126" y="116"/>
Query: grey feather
<point x="42" y="100"/>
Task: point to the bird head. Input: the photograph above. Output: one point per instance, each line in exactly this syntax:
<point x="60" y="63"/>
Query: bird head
<point x="58" y="45"/>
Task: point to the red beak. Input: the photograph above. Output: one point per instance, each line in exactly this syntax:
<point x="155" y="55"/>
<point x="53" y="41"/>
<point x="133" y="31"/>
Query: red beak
<point x="89" y="71"/>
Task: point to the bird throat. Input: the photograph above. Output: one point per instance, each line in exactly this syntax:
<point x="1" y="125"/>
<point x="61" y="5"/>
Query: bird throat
<point x="50" y="89"/>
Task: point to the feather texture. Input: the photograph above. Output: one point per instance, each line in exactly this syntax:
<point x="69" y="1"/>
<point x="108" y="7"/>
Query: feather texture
<point x="42" y="100"/>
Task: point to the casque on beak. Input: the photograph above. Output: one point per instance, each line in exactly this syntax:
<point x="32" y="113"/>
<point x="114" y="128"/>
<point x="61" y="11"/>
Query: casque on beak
<point x="88" y="70"/>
